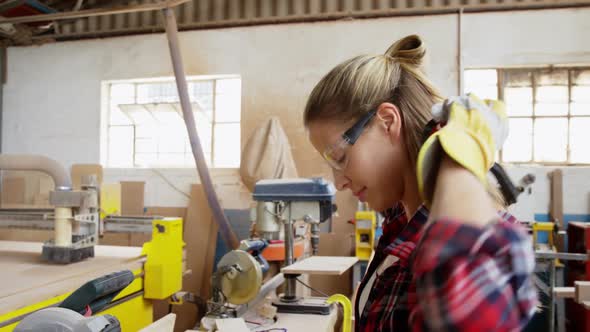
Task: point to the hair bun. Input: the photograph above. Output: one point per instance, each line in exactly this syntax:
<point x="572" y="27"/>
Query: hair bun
<point x="409" y="50"/>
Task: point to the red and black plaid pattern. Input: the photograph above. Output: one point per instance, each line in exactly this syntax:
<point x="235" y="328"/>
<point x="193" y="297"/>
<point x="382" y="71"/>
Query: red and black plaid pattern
<point x="455" y="278"/>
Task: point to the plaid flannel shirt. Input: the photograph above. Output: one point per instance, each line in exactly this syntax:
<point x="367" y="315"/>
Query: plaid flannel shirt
<point x="449" y="276"/>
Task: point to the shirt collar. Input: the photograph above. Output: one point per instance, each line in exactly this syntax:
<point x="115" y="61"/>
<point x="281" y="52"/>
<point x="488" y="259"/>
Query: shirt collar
<point x="397" y="228"/>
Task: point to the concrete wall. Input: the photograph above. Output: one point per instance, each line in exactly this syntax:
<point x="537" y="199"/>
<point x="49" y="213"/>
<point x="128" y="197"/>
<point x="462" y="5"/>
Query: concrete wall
<point x="52" y="98"/>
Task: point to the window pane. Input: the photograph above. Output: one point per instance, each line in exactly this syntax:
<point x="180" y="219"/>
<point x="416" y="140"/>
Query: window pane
<point x="552" y="94"/>
<point x="480" y="77"/>
<point x="551" y="140"/>
<point x="229" y="86"/>
<point x="146" y="159"/>
<point x="122" y="93"/>
<point x="227" y="108"/>
<point x="481" y="82"/>
<point x="204" y="131"/>
<point x="519" y="145"/>
<point x="581" y="93"/>
<point x="519" y="101"/>
<point x="200" y="89"/>
<point x="167" y="114"/>
<point x="138" y="114"/>
<point x="116" y="117"/>
<point x="579" y="138"/>
<point x="518" y="95"/>
<point x="484" y="92"/>
<point x="157" y="93"/>
<point x="551" y="100"/>
<point x="227" y="145"/>
<point x="228" y="100"/>
<point x="120" y="148"/>
<point x="171" y="139"/>
<point x="145" y="131"/>
<point x="580" y="108"/>
<point x="146" y="145"/>
<point x="170" y="159"/>
<point x="202" y="95"/>
<point x="551" y="109"/>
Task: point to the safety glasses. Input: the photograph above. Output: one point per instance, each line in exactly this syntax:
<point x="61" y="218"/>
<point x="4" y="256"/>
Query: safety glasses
<point x="336" y="154"/>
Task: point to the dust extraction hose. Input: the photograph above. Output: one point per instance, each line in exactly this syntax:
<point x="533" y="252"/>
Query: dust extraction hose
<point x="31" y="162"/>
<point x="229" y="237"/>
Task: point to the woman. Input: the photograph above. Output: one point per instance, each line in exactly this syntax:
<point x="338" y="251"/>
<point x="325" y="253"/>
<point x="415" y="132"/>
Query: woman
<point x="453" y="267"/>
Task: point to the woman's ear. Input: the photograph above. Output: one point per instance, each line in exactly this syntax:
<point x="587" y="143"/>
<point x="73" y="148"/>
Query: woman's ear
<point x="390" y="120"/>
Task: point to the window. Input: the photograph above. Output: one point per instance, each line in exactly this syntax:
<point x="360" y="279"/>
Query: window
<point x="548" y="109"/>
<point x="146" y="128"/>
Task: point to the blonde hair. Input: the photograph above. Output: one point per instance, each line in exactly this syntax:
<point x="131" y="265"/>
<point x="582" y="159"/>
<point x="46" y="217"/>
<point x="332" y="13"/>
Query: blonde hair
<point x="362" y="83"/>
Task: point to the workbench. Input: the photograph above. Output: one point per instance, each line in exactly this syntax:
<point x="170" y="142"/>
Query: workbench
<point x="28" y="284"/>
<point x="304" y="323"/>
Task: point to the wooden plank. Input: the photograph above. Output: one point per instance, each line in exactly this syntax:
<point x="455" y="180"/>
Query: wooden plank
<point x="165" y="324"/>
<point x="209" y="260"/>
<point x="26" y="279"/>
<point x="582" y="291"/>
<point x="564" y="292"/>
<point x="197" y="230"/>
<point x="321" y="265"/>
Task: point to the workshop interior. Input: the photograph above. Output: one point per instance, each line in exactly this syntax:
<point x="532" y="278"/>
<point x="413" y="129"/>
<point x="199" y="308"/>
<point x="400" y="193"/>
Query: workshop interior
<point x="156" y="175"/>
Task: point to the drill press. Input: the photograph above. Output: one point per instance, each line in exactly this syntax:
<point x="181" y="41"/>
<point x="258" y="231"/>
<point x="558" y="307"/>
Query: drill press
<point x="282" y="202"/>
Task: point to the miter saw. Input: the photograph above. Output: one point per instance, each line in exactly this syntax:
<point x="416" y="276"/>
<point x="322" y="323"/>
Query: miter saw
<point x="236" y="281"/>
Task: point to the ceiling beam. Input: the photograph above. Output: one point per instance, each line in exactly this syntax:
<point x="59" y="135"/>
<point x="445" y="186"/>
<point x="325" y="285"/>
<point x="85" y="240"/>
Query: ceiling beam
<point x="94" y="12"/>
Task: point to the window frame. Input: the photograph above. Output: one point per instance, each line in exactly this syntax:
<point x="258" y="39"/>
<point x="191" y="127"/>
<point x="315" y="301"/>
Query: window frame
<point x="187" y="149"/>
<point x="500" y="72"/>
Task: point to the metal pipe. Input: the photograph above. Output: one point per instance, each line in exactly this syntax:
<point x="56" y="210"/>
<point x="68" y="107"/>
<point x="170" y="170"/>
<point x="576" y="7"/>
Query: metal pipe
<point x="39" y="163"/>
<point x="290" y="284"/>
<point x="268" y="287"/>
<point x="229" y="237"/>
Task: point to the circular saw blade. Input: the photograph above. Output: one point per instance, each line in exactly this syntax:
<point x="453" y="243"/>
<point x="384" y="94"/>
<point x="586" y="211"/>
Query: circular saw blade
<point x="243" y="286"/>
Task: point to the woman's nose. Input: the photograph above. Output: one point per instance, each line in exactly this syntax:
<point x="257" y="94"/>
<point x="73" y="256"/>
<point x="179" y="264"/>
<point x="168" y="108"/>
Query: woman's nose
<point x="340" y="180"/>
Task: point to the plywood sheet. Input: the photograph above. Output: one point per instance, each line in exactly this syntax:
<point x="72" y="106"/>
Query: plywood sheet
<point x="165" y="324"/>
<point x="321" y="265"/>
<point x="197" y="229"/>
<point x="26" y="279"/>
<point x="132" y="198"/>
